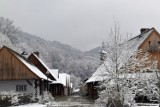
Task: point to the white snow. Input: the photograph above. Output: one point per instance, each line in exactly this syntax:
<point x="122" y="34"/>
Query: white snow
<point x="65" y="79"/>
<point x="133" y="44"/>
<point x="145" y="105"/>
<point x="53" y="72"/>
<point x="76" y="90"/>
<point x="32" y="105"/>
<point x="4" y="40"/>
<point x="41" y="62"/>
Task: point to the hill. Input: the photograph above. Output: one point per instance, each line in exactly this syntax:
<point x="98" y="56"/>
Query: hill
<point x="55" y="54"/>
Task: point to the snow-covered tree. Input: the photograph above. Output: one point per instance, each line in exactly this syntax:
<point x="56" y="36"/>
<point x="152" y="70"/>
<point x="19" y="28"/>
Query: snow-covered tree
<point x="7" y="27"/>
<point x="126" y="73"/>
<point x="55" y="54"/>
<point x="76" y="81"/>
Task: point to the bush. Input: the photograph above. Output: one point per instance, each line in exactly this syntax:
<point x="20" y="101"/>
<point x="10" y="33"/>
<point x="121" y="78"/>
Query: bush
<point x="5" y="101"/>
<point x="46" y="98"/>
<point x="13" y="98"/>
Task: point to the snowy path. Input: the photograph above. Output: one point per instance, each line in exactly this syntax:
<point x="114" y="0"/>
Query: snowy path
<point x="73" y="101"/>
<point x="68" y="101"/>
<point x="32" y="105"/>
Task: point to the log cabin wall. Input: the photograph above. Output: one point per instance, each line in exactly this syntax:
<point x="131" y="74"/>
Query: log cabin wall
<point x="11" y="68"/>
<point x="92" y="90"/>
<point x="32" y="59"/>
<point x="57" y="89"/>
<point x="14" y="72"/>
<point x="152" y="45"/>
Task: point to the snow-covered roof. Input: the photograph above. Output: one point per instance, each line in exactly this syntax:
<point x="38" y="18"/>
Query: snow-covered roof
<point x="133" y="45"/>
<point x="34" y="69"/>
<point x="58" y="81"/>
<point x="53" y="72"/>
<point x="64" y="78"/>
<point x="41" y="62"/>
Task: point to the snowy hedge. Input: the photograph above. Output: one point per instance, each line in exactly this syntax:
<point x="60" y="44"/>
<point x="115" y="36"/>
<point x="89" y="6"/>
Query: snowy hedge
<point x="13" y="98"/>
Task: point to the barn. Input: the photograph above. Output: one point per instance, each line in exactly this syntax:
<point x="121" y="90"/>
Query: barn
<point x="19" y="75"/>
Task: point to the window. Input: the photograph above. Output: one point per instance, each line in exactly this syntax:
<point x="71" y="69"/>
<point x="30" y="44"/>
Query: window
<point x="149" y="42"/>
<point x="21" y="88"/>
<point x="158" y="42"/>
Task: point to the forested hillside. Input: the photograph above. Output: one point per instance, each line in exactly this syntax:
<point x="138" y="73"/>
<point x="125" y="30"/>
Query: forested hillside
<point x="55" y="54"/>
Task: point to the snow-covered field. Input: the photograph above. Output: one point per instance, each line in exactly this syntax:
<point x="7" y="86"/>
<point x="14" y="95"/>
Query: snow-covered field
<point x="32" y="105"/>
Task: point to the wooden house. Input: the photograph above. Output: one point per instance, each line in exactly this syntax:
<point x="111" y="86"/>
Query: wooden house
<point x="60" y="83"/>
<point x="65" y="79"/>
<point x="62" y="86"/>
<point x="17" y="74"/>
<point x="56" y="87"/>
<point x="35" y="60"/>
<point x="147" y="41"/>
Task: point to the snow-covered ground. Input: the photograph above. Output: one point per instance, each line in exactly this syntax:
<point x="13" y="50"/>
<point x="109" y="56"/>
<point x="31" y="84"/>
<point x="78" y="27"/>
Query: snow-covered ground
<point x="146" y="105"/>
<point x="32" y="105"/>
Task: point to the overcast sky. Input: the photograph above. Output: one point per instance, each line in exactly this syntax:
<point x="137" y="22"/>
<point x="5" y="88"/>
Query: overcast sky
<point x="83" y="24"/>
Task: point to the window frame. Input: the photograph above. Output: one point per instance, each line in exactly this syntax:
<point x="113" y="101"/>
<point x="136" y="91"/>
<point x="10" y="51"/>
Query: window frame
<point x="21" y="88"/>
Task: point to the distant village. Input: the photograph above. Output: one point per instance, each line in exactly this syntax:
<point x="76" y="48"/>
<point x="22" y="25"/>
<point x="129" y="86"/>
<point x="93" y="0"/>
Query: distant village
<point x="32" y="76"/>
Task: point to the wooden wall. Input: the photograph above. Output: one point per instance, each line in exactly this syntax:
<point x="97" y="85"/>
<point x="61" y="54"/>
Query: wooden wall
<point x="152" y="45"/>
<point x="32" y="59"/>
<point x="11" y="68"/>
<point x="92" y="90"/>
<point x="56" y="89"/>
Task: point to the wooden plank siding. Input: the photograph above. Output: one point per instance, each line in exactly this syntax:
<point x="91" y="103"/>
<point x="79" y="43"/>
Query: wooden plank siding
<point x="32" y="59"/>
<point x="151" y="45"/>
<point x="92" y="90"/>
<point x="11" y="68"/>
<point x="56" y="89"/>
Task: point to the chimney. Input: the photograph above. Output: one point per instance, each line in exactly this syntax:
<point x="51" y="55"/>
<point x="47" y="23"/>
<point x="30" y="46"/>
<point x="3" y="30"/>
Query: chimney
<point x="144" y="30"/>
<point x="36" y="53"/>
<point x="23" y="53"/>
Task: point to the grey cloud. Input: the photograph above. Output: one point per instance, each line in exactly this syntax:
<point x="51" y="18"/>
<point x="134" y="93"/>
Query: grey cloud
<point x="81" y="23"/>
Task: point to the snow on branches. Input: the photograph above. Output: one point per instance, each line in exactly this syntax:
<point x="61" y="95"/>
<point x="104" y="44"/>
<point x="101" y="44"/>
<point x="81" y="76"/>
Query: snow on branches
<point x="127" y="72"/>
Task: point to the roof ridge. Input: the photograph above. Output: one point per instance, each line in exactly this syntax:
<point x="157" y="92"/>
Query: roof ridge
<point x="142" y="33"/>
<point x="13" y="51"/>
<point x="27" y="63"/>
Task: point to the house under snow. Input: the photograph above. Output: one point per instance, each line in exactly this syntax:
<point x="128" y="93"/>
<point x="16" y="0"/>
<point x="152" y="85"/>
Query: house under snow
<point x="61" y="81"/>
<point x="147" y="41"/>
<point x="19" y="75"/>
<point x="30" y="75"/>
